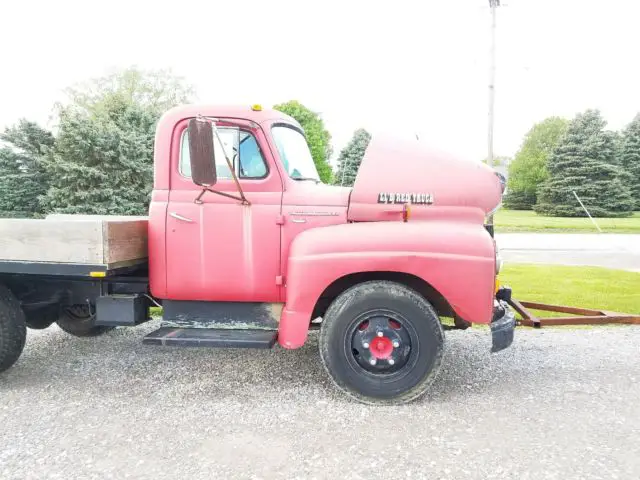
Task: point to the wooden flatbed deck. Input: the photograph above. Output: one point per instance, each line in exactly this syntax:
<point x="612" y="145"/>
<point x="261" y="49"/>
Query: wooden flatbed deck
<point x="72" y="244"/>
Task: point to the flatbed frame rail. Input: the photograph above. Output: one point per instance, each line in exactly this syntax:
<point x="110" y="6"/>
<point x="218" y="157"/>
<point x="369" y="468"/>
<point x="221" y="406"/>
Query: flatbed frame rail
<point x="581" y="316"/>
<point x="52" y="269"/>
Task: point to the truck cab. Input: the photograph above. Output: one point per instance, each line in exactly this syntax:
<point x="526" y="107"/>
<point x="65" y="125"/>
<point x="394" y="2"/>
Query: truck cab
<point x="248" y="248"/>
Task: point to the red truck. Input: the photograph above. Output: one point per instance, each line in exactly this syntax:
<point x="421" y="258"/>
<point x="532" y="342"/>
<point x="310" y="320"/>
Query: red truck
<point x="248" y="248"/>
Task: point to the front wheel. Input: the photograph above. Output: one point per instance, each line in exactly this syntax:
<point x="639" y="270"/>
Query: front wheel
<point x="381" y="343"/>
<point x="79" y="321"/>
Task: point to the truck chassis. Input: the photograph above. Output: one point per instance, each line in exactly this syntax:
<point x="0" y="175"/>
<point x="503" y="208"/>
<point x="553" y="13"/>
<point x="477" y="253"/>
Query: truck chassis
<point x="378" y="326"/>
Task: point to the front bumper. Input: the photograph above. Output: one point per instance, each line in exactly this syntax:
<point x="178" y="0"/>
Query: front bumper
<point x="503" y="326"/>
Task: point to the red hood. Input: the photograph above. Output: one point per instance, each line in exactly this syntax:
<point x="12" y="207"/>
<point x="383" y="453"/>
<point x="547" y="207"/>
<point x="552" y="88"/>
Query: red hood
<point x="432" y="182"/>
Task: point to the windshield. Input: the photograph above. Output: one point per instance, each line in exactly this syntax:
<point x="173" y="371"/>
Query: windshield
<point x="295" y="154"/>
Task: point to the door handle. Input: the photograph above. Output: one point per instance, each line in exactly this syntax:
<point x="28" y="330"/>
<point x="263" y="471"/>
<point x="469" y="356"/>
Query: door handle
<point x="180" y="217"/>
<point x="298" y="220"/>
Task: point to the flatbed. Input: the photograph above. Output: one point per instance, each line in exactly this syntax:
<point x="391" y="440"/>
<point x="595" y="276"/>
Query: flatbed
<point x="82" y="243"/>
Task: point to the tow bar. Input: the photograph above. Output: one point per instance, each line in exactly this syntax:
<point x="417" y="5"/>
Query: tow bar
<point x="580" y="316"/>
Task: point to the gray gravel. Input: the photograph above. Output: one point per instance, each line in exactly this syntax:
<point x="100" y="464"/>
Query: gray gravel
<point x="558" y="404"/>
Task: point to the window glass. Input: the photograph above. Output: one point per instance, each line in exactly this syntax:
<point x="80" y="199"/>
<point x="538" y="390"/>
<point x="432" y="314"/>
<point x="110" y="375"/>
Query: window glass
<point x="294" y="153"/>
<point x="241" y="148"/>
<point x="250" y="159"/>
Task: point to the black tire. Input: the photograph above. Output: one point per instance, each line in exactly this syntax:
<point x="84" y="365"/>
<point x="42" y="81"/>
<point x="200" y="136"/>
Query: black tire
<point x="416" y="326"/>
<point x="78" y="321"/>
<point x="13" y="329"/>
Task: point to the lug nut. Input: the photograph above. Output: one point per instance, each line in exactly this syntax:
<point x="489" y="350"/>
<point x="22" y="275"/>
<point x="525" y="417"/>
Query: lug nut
<point x="372" y="361"/>
<point x="391" y="361"/>
<point x="380" y="334"/>
<point x="365" y="345"/>
<point x="396" y="344"/>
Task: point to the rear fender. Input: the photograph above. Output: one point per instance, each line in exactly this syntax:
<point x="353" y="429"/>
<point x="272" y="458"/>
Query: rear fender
<point x="455" y="258"/>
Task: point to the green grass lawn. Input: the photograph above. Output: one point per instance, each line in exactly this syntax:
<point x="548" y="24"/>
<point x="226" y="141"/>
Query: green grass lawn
<point x="529" y="221"/>
<point x="589" y="287"/>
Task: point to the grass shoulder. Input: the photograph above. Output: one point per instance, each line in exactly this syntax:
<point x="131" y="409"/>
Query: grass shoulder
<point x="588" y="287"/>
<point x="528" y="221"/>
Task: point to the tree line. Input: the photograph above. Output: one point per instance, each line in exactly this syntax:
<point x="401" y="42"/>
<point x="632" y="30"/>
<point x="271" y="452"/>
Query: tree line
<point x="99" y="158"/>
<point x="561" y="161"/>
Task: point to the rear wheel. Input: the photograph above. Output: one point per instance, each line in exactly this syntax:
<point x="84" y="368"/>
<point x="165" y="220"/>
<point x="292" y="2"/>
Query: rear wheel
<point x="381" y="343"/>
<point x="13" y="329"/>
<point x="78" y="320"/>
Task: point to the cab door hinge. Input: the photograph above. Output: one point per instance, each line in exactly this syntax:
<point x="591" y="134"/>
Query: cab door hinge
<point x="280" y="220"/>
<point x="279" y="280"/>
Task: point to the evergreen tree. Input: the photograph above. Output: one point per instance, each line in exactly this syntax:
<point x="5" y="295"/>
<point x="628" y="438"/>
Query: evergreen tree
<point x="102" y="162"/>
<point x="318" y="138"/>
<point x="583" y="161"/>
<point x="518" y="199"/>
<point x="630" y="157"/>
<point x="529" y="167"/>
<point x="22" y="178"/>
<point x="350" y="158"/>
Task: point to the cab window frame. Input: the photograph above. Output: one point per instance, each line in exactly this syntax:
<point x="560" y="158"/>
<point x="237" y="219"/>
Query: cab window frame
<point x="236" y="165"/>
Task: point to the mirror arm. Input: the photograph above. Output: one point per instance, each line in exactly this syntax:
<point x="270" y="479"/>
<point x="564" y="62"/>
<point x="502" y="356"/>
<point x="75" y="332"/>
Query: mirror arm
<point x="233" y="173"/>
<point x="198" y="199"/>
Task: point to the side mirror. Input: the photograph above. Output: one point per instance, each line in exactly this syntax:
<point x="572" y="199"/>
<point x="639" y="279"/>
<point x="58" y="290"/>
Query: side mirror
<point x="201" y="153"/>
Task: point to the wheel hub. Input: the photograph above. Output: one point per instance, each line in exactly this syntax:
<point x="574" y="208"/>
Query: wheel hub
<point x="380" y="344"/>
<point x="381" y="347"/>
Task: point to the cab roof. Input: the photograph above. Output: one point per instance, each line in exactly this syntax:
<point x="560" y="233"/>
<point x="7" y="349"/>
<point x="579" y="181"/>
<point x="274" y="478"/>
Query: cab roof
<point x="246" y="112"/>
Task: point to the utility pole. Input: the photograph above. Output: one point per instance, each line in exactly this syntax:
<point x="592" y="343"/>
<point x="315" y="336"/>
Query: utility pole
<point x="493" y="5"/>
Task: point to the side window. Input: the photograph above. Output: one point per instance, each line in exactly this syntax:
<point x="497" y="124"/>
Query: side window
<point x="241" y="148"/>
<point x="250" y="159"/>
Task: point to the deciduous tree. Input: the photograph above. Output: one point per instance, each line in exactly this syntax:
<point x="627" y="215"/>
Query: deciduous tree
<point x="318" y="137"/>
<point x="529" y="166"/>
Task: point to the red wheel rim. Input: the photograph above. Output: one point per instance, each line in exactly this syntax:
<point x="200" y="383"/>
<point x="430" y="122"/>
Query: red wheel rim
<point x="381" y="347"/>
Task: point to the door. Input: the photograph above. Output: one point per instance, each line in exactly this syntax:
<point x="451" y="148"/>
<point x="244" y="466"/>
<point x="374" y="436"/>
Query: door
<point x="220" y="249"/>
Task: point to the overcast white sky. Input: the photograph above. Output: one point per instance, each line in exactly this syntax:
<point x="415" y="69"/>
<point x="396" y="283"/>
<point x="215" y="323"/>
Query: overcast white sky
<point x="419" y="66"/>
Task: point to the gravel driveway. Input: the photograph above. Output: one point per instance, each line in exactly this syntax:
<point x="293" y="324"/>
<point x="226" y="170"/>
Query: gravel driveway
<point x="558" y="404"/>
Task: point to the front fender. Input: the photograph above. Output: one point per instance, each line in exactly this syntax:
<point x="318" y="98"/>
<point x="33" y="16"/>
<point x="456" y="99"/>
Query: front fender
<point x="455" y="258"/>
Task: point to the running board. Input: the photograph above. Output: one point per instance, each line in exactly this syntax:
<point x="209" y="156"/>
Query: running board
<point x="211" y="337"/>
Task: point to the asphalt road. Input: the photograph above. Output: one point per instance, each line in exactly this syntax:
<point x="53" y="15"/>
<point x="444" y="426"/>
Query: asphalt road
<point x="620" y="251"/>
<point x="559" y="404"/>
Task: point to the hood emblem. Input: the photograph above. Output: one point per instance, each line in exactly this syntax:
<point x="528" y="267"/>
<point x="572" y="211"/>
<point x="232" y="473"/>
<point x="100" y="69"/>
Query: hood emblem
<point x="413" y="198"/>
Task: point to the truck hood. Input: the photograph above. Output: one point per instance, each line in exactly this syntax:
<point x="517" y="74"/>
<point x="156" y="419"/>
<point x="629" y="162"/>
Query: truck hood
<point x="394" y="173"/>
